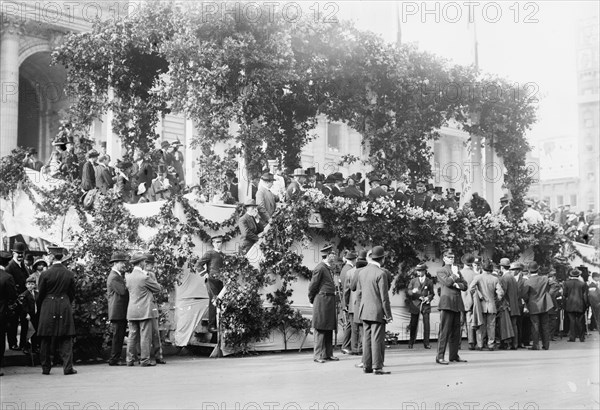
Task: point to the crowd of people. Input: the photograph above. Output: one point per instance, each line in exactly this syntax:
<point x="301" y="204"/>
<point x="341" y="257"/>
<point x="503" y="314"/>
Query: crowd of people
<point x="500" y="306"/>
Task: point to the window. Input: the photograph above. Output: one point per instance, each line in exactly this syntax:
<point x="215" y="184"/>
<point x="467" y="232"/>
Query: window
<point x="559" y="200"/>
<point x="334" y="143"/>
<point x="573" y="200"/>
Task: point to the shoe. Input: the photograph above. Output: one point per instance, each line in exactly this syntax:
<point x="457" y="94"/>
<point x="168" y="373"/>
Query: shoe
<point x="359" y="365"/>
<point x="130" y="364"/>
<point x="490" y="349"/>
<point x="513" y="348"/>
<point x="545" y="348"/>
<point x="479" y="349"/>
<point x="346" y="351"/>
<point x="459" y="360"/>
<point x="471" y="346"/>
<point x="427" y="346"/>
<point x="72" y="371"/>
<point x="367" y="370"/>
<point x="442" y="361"/>
<point x="553" y="339"/>
<point x="15" y="347"/>
<point x="26" y="351"/>
<point x="332" y="359"/>
<point x="410" y="346"/>
<point x="533" y="348"/>
<point x="118" y="363"/>
<point x="149" y="364"/>
<point x="161" y="361"/>
<point x="379" y="371"/>
<point x="570" y="340"/>
<point x="46" y="372"/>
<point x="320" y="361"/>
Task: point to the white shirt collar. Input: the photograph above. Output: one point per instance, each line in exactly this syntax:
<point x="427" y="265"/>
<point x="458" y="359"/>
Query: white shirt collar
<point x="375" y="263"/>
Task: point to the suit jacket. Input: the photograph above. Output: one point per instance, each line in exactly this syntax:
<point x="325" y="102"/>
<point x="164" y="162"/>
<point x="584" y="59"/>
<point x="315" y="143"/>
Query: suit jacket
<point x="536" y="292"/>
<point x="321" y="293"/>
<point x="29" y="304"/>
<point x="374" y="294"/>
<point x="265" y="200"/>
<point x="8" y="293"/>
<point x="511" y="293"/>
<point x="420" y="200"/>
<point x="123" y="188"/>
<point x="117" y="295"/>
<point x="423" y="290"/>
<point x="19" y="274"/>
<point x="158" y="190"/>
<point x="489" y="291"/>
<point x="57" y="292"/>
<point x="88" y="176"/>
<point x="355" y="297"/>
<point x="233" y="190"/>
<point x="353" y="192"/>
<point x="468" y="274"/>
<point x="450" y="296"/>
<point x="213" y="261"/>
<point x="576" y="295"/>
<point x="249" y="229"/>
<point x="343" y="277"/>
<point x="104" y="179"/>
<point x="141" y="285"/>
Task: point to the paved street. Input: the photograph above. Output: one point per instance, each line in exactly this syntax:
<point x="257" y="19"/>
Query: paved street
<point x="565" y="377"/>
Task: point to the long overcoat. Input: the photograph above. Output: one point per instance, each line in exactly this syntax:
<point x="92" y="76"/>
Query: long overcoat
<point x="56" y="293"/>
<point x="321" y="293"/>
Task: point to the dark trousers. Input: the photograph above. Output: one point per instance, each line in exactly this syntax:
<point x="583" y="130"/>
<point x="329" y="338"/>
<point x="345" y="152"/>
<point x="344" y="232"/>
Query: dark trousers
<point x="596" y="316"/>
<point x="524" y="327"/>
<point x="515" y="339"/>
<point x="323" y="344"/>
<point x="13" y="328"/>
<point x="214" y="287"/>
<point x="373" y="344"/>
<point x="449" y="334"/>
<point x="414" y="326"/>
<point x="540" y="327"/>
<point x="347" y="335"/>
<point x="118" y="336"/>
<point x="554" y="324"/>
<point x="576" y="326"/>
<point x="3" y="330"/>
<point x="50" y="344"/>
<point x="357" y="334"/>
<point x="156" y="350"/>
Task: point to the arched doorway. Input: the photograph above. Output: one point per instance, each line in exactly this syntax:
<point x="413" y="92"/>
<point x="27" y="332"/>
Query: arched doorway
<point x="41" y="98"/>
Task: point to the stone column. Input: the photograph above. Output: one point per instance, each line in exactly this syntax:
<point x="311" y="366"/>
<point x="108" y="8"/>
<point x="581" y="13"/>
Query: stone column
<point x="9" y="83"/>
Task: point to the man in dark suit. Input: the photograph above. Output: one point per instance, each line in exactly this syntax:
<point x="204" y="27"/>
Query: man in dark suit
<point x="210" y="265"/>
<point x="523" y="321"/>
<point x="230" y="186"/>
<point x="250" y="226"/>
<point x="420" y="294"/>
<point x="19" y="272"/>
<point x="118" y="299"/>
<point x="141" y="172"/>
<point x="343" y="286"/>
<point x="376" y="190"/>
<point x="400" y="197"/>
<point x="511" y="294"/>
<point x="105" y="180"/>
<point x="56" y="326"/>
<point x="487" y="289"/>
<point x="353" y="304"/>
<point x="88" y="173"/>
<point x="536" y="293"/>
<point x="294" y="189"/>
<point x="420" y="197"/>
<point x="321" y="294"/>
<point x="8" y="298"/>
<point x="451" y="308"/>
<point x="375" y="311"/>
<point x="576" y="303"/>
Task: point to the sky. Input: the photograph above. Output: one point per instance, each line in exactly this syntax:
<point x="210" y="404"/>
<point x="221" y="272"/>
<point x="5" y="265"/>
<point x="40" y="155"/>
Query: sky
<point x="531" y="43"/>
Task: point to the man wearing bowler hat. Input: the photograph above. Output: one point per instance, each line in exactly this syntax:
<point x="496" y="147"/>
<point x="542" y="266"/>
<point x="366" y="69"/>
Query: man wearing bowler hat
<point x="210" y="265"/>
<point x="511" y="294"/>
<point x="19" y="272"/>
<point x="486" y="287"/>
<point x="576" y="303"/>
<point x="420" y="294"/>
<point x="250" y="226"/>
<point x="141" y="287"/>
<point x="321" y="294"/>
<point x="372" y="288"/>
<point x="8" y="299"/>
<point x="56" y="326"/>
<point x="451" y="308"/>
<point x="536" y="293"/>
<point x="118" y="299"/>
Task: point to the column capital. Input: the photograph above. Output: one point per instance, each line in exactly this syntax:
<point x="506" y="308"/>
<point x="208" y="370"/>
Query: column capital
<point x="11" y="26"/>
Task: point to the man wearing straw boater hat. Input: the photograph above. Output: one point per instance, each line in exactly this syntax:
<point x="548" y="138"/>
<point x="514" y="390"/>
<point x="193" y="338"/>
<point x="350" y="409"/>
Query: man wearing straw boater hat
<point x="139" y="310"/>
<point x="56" y="326"/>
<point x="118" y="299"/>
<point x="321" y="294"/>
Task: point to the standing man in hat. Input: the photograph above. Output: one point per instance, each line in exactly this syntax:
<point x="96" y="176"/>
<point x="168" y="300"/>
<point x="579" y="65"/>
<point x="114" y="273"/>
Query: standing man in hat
<point x="353" y="304"/>
<point x="321" y="294"/>
<point x="338" y="185"/>
<point x="468" y="273"/>
<point x="19" y="272"/>
<point x="451" y="308"/>
<point x="420" y="198"/>
<point x="56" y="325"/>
<point x="210" y="265"/>
<point x="531" y="215"/>
<point x="373" y="291"/>
<point x="250" y="226"/>
<point x="376" y="190"/>
<point x="576" y="303"/>
<point x="450" y="200"/>
<point x="123" y="187"/>
<point x="8" y="299"/>
<point x="156" y="351"/>
<point x="523" y="321"/>
<point x="487" y="288"/>
<point x="536" y="293"/>
<point x="343" y="285"/>
<point x="160" y="187"/>
<point x="265" y="199"/>
<point x="104" y="176"/>
<point x="505" y="207"/>
<point x="118" y="299"/>
<point x="141" y="287"/>
<point x="230" y="186"/>
<point x="511" y="294"/>
<point x="178" y="162"/>
<point x="294" y="189"/>
<point x="141" y="173"/>
<point x="420" y="294"/>
<point x="70" y="165"/>
<point x="399" y="196"/>
<point x="88" y="173"/>
<point x="437" y="202"/>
